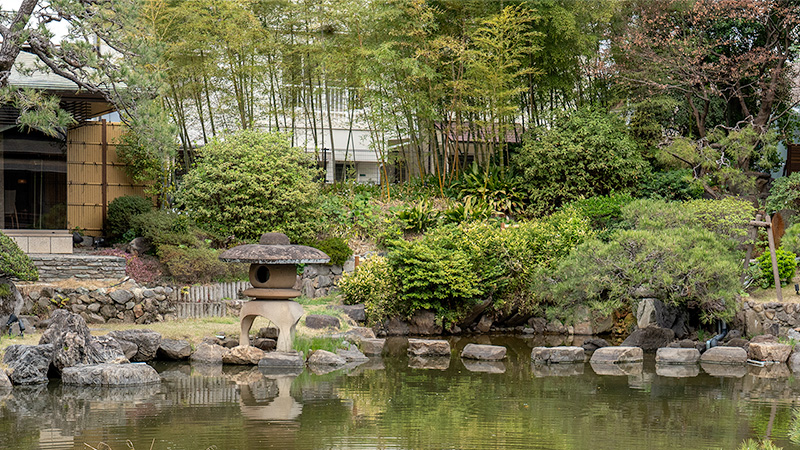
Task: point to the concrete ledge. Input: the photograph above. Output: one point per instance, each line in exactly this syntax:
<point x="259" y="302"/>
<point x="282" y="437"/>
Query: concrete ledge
<point x="42" y="241"/>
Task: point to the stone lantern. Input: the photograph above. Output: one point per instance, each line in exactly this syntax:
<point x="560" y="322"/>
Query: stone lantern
<point x="273" y="272"/>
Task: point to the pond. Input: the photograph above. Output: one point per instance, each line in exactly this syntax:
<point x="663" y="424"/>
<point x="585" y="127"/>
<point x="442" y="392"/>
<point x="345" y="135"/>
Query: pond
<point x="396" y="403"/>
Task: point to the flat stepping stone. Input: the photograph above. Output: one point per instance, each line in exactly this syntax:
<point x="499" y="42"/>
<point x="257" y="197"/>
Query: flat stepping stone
<point x="557" y="355"/>
<point x="110" y="375"/>
<point x="724" y="355"/>
<point x="325" y="358"/>
<point x="282" y="360"/>
<point x="668" y="355"/>
<point x="428" y="347"/>
<point x="617" y="355"/>
<point x="352" y="355"/>
<point x="483" y="352"/>
<point x="372" y="346"/>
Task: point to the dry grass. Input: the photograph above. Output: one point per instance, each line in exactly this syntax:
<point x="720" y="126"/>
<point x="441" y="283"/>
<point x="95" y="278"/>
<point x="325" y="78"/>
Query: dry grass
<point x="770" y="295"/>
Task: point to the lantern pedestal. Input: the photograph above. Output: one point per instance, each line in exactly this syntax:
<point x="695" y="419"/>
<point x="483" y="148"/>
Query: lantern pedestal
<point x="283" y="313"/>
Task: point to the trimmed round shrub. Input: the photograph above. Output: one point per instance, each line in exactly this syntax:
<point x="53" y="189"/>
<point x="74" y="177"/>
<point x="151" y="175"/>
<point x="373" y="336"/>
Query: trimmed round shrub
<point x="14" y="262"/>
<point x="336" y="248"/>
<point x="372" y="284"/>
<point x="162" y="227"/>
<point x="250" y="183"/>
<point x="122" y="209"/>
<point x="787" y="264"/>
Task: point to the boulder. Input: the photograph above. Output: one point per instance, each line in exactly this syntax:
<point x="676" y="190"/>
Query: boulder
<point x="724" y="355"/>
<point x="423" y="323"/>
<point x="738" y="342"/>
<point x="320" y="321"/>
<point x="355" y="312"/>
<point x="677" y="356"/>
<point x="243" y="354"/>
<point x="11" y="304"/>
<point x="593" y="344"/>
<point x="28" y="364"/>
<point x="325" y="358"/>
<point x="208" y="354"/>
<point x="138" y="246"/>
<point x="74" y="345"/>
<point x="5" y="382"/>
<point x="761" y="338"/>
<point x="484" y="352"/>
<point x="650" y="339"/>
<point x="652" y="312"/>
<point x="121" y="296"/>
<point x="129" y="349"/>
<point x="268" y="333"/>
<point x="794" y="362"/>
<point x="372" y="346"/>
<point x="395" y="327"/>
<point x="356" y="334"/>
<point x="616" y="355"/>
<point x="769" y="351"/>
<point x="555" y="355"/>
<point x="352" y="355"/>
<point x="282" y="360"/>
<point x="267" y="345"/>
<point x="110" y="375"/>
<point x="146" y="341"/>
<point x="428" y="347"/>
<point x="174" y="349"/>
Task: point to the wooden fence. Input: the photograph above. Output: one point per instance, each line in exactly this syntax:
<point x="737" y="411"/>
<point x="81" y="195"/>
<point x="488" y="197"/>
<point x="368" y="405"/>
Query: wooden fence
<point x="95" y="176"/>
<point x="208" y="300"/>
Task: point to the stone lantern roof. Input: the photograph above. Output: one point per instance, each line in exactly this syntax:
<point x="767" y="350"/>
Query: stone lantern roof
<point x="274" y="248"/>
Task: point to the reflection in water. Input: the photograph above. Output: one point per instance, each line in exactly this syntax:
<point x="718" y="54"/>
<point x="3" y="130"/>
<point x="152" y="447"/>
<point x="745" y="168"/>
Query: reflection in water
<point x="389" y="403"/>
<point x="429" y="362"/>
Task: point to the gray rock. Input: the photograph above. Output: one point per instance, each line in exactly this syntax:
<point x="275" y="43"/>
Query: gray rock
<point x="352" y="355"/>
<point x="616" y="355"/>
<point x="650" y="339"/>
<point x="423" y="323"/>
<point x="208" y="354"/>
<point x="110" y="375"/>
<point x="653" y="312"/>
<point x="485" y="324"/>
<point x="396" y="327"/>
<point x="769" y="351"/>
<point x="554" y="355"/>
<point x="146" y="341"/>
<point x="528" y="330"/>
<point x="268" y="333"/>
<point x="11" y="304"/>
<point x="359" y="333"/>
<point x="325" y="358"/>
<point x="594" y="343"/>
<point x="121" y="296"/>
<point x="129" y="349"/>
<point x="138" y="246"/>
<point x="174" y="349"/>
<point x="74" y="345"/>
<point x="282" y="360"/>
<point x="724" y="355"/>
<point x="794" y="362"/>
<point x="5" y="382"/>
<point x="319" y="321"/>
<point x="483" y="352"/>
<point x="793" y="334"/>
<point x="677" y="356"/>
<point x="738" y="342"/>
<point x="428" y="347"/>
<point x="761" y="338"/>
<point x="267" y="345"/>
<point x="243" y="355"/>
<point x="28" y="364"/>
<point x="372" y="346"/>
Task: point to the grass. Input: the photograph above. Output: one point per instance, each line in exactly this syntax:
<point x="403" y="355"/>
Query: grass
<point x="770" y="295"/>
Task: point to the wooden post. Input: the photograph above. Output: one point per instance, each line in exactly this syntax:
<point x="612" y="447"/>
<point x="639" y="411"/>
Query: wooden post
<point x="774" y="258"/>
<point x="104" y="170"/>
<point x="356" y="260"/>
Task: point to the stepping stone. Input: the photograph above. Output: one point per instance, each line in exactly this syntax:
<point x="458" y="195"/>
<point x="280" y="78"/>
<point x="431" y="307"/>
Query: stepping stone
<point x="668" y="355"/>
<point x="769" y="351"/>
<point x="372" y="346"/>
<point x="110" y="375"/>
<point x="428" y="347"/>
<point x="484" y="352"/>
<point x="724" y="355"/>
<point x="555" y="355"/>
<point x="616" y="355"/>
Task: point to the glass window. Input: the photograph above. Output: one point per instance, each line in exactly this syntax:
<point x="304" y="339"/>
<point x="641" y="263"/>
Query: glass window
<point x="33" y="178"/>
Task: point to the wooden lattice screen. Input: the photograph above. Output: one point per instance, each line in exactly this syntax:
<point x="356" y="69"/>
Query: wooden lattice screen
<point x="94" y="175"/>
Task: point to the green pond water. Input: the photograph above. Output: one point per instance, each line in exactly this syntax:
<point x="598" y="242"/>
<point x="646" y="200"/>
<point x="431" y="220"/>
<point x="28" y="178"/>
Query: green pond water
<point x="401" y="403"/>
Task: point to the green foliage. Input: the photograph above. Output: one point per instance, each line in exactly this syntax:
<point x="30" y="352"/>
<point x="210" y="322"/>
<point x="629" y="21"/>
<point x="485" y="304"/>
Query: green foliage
<point x="684" y="267"/>
<point x="791" y="239"/>
<point x="122" y="209"/>
<point x="676" y="184"/>
<point x="14" y="262"/>
<point x="467" y="211"/>
<point x="494" y="186"/>
<point x="336" y="248"/>
<point x="374" y="284"/>
<point x="306" y="344"/>
<point x="751" y="444"/>
<point x="787" y="264"/>
<point x="603" y="211"/>
<point x="250" y="183"/>
<point x="784" y="194"/>
<point x="198" y="265"/>
<point x="585" y="154"/>
<point x="418" y="217"/>
<point x="163" y="227"/>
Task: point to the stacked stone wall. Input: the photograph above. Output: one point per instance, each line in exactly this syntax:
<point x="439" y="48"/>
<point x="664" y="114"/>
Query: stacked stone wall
<point x="82" y="267"/>
<point x="771" y="317"/>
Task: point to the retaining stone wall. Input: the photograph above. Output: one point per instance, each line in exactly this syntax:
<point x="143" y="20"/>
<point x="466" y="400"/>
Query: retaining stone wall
<point x="87" y="267"/>
<point x="318" y="280"/>
<point x="772" y="317"/>
<point x="130" y="303"/>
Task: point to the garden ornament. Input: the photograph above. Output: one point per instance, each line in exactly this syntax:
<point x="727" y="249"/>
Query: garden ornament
<point x="273" y="273"/>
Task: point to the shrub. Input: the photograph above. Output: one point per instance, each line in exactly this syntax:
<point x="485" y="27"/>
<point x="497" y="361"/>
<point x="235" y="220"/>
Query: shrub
<point x="791" y="239"/>
<point x="494" y="186"/>
<point x="374" y="285"/>
<point x="162" y="227"/>
<point x="584" y="154"/>
<point x="670" y="185"/>
<point x="122" y="209"/>
<point x="467" y="211"/>
<point x="250" y="183"/>
<point x="143" y="269"/>
<point x="603" y="211"/>
<point x="418" y="217"/>
<point x="198" y="265"/>
<point x="684" y="267"/>
<point x="336" y="248"/>
<point x="784" y="194"/>
<point x="14" y="262"/>
<point x="787" y="264"/>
